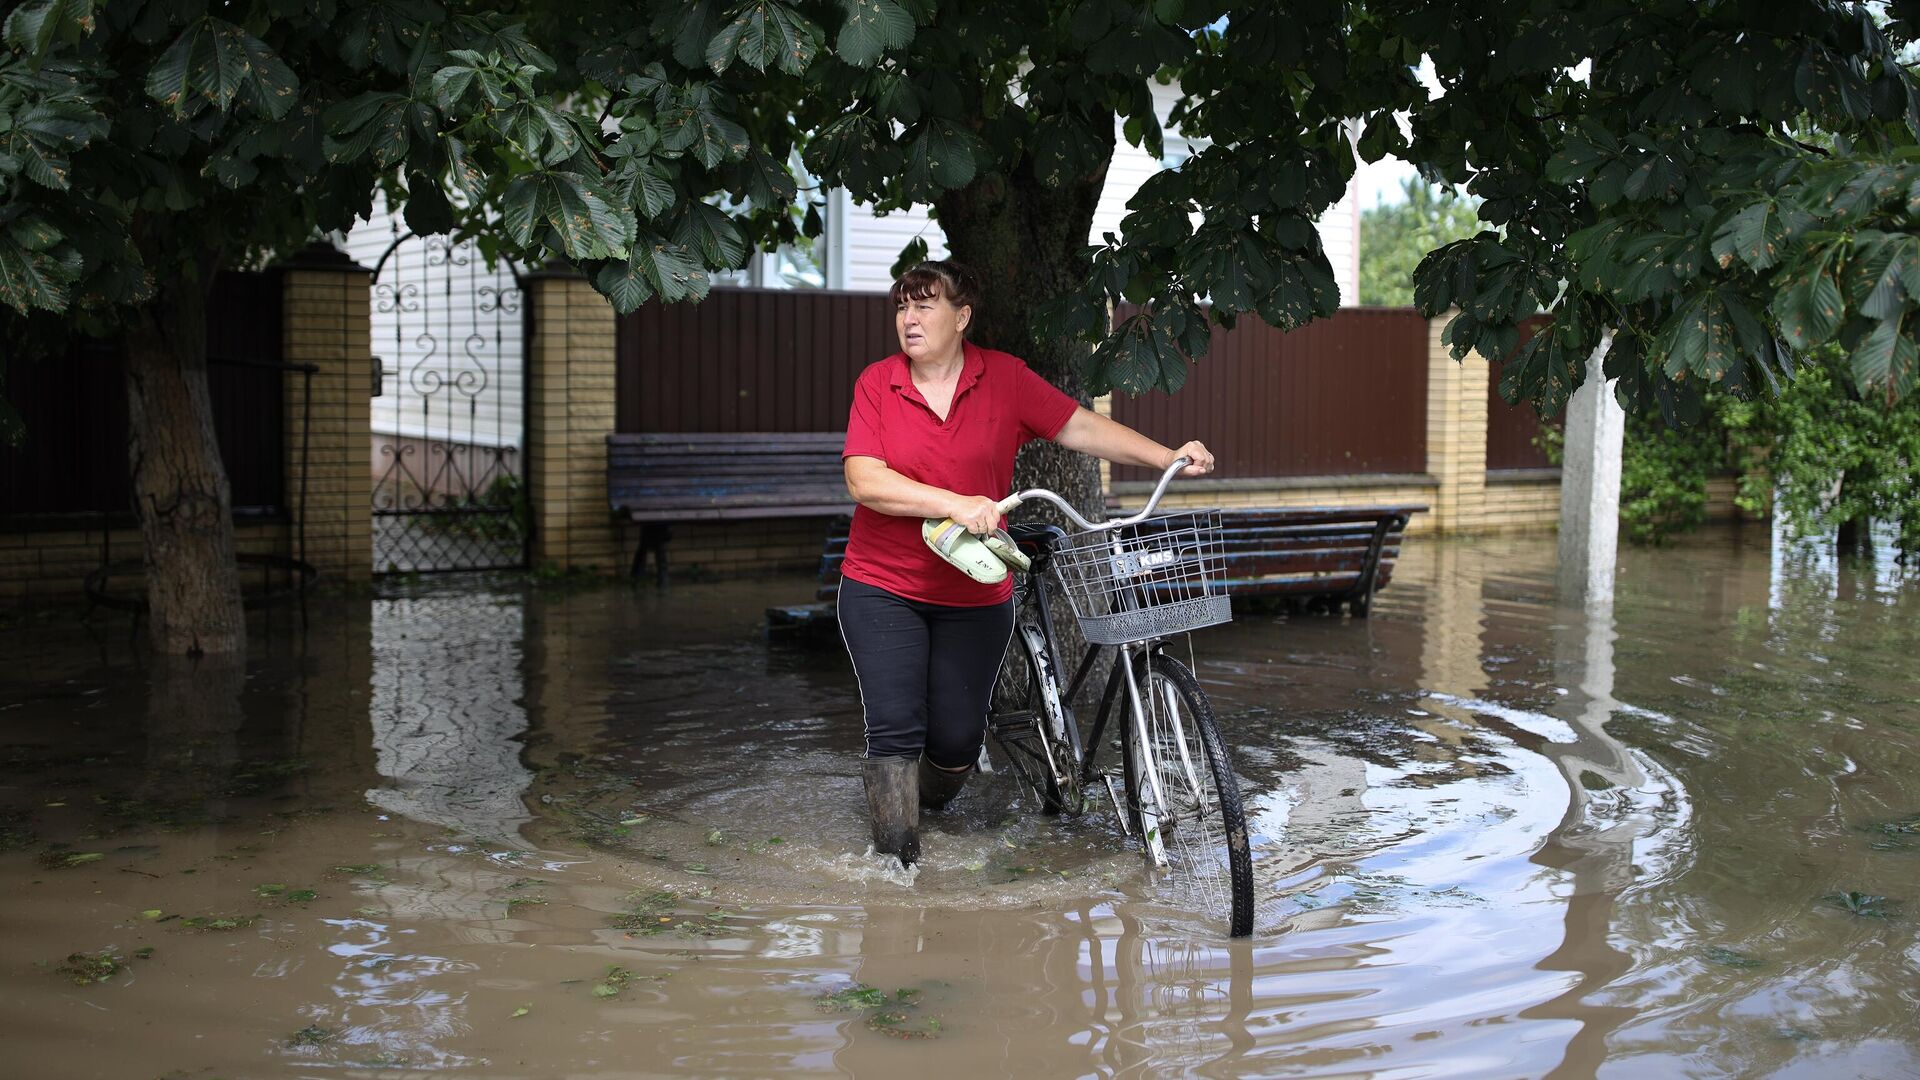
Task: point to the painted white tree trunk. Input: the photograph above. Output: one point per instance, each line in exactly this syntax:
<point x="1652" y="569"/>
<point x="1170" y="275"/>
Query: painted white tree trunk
<point x="1590" y="487"/>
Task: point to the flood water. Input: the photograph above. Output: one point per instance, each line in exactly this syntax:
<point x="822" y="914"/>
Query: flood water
<point x="613" y="832"/>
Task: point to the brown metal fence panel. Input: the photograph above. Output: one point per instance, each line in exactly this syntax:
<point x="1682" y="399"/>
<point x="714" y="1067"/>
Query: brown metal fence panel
<point x="1343" y="395"/>
<point x="1346" y="394"/>
<point x="249" y="410"/>
<point x="74" y="459"/>
<point x="1513" y="431"/>
<point x="749" y="360"/>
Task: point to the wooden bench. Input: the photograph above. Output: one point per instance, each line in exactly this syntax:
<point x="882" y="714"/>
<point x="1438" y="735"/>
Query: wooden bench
<point x="1318" y="557"/>
<point x="657" y="479"/>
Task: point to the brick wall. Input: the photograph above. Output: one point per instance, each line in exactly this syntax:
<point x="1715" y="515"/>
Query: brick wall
<point x="326" y="305"/>
<point x="1456" y="435"/>
<point x="733" y="549"/>
<point x="1522" y="502"/>
<point x="571" y="411"/>
<point x="53" y="565"/>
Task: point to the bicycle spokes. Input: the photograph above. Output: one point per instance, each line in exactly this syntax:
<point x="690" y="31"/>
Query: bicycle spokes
<point x="1167" y="703"/>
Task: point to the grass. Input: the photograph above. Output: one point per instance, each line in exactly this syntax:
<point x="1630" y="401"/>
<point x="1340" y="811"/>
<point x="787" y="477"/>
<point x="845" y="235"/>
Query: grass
<point x="614" y="981"/>
<point x="64" y="860"/>
<point x="1861" y="905"/>
<point x="218" y="923"/>
<point x="312" y="1035"/>
<point x="85" y="969"/>
<point x="896" y="1015"/>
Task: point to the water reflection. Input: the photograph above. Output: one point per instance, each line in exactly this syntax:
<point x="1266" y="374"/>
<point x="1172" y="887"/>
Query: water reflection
<point x="193" y="726"/>
<point x="447" y="712"/>
<point x="391" y="1007"/>
<point x="1812" y="568"/>
<point x="1622" y="810"/>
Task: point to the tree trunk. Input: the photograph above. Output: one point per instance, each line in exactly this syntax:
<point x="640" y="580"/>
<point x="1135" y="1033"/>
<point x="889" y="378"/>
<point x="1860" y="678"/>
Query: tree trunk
<point x="180" y="489"/>
<point x="1027" y="243"/>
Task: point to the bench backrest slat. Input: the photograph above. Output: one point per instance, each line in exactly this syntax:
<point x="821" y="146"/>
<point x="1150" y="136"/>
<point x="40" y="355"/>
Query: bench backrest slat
<point x="697" y="476"/>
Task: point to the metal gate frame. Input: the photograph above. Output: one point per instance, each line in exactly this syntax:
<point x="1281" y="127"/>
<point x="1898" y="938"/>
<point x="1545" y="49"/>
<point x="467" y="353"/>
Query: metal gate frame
<point x="466" y="507"/>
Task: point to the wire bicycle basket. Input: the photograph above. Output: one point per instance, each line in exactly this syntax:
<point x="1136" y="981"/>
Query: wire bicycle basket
<point x="1155" y="578"/>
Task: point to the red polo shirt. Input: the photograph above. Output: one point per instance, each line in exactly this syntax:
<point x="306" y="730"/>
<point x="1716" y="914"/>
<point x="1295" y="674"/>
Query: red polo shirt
<point x="998" y="406"/>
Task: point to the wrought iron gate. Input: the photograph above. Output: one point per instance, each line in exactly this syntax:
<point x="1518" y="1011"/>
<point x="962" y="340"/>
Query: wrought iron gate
<point x="449" y="421"/>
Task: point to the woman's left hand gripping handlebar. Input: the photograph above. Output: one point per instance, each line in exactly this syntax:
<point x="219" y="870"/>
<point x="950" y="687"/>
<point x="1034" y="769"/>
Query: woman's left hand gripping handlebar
<point x="1199" y="459"/>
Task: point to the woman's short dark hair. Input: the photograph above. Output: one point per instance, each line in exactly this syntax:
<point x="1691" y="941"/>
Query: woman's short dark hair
<point x="940" y="277"/>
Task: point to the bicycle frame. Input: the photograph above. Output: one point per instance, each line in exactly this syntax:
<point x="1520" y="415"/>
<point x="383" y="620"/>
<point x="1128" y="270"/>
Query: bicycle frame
<point x="1036" y="592"/>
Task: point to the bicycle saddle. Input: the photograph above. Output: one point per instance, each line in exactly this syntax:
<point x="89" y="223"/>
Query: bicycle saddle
<point x="1035" y="537"/>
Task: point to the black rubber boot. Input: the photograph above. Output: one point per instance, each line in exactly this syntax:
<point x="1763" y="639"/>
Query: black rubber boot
<point x="893" y="798"/>
<point x="938" y="786"/>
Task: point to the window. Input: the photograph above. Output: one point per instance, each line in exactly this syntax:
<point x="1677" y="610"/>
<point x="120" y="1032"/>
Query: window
<point x="800" y="264"/>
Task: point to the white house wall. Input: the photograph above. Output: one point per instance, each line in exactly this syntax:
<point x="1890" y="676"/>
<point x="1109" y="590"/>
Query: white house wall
<point x="873" y="244"/>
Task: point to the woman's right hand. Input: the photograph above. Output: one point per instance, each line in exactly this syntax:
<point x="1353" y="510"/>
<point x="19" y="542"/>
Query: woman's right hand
<point x="979" y="514"/>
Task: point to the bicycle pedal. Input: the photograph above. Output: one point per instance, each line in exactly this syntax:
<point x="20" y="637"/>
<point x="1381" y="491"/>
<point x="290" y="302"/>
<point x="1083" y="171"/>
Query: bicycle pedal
<point x="1017" y="725"/>
<point x="1126" y="827"/>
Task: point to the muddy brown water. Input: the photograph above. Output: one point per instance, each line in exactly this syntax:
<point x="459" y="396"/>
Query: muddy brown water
<point x="612" y="833"/>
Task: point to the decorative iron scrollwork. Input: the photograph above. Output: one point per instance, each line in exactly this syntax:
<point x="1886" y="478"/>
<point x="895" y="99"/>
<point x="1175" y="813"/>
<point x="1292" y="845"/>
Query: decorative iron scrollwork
<point x="447" y="492"/>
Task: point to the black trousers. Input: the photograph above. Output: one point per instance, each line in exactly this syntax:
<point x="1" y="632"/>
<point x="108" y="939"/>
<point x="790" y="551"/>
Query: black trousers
<point x="926" y="671"/>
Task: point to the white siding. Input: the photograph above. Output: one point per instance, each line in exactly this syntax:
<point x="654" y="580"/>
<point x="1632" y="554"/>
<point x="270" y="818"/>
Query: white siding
<point x="1131" y="167"/>
<point x="453" y="362"/>
<point x="1340" y="235"/>
<point x="873" y="243"/>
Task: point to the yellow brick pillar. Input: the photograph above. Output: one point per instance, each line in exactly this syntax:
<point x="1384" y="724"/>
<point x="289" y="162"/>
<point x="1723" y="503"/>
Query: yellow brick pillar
<point x="1456" y="434"/>
<point x="325" y="322"/>
<point x="570" y="413"/>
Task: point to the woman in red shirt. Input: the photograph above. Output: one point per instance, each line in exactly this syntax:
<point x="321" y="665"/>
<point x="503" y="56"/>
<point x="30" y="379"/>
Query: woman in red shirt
<point x="932" y="434"/>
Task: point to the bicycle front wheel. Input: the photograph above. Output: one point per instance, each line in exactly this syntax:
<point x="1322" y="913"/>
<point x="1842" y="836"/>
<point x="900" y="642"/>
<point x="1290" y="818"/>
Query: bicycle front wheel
<point x="1201" y="823"/>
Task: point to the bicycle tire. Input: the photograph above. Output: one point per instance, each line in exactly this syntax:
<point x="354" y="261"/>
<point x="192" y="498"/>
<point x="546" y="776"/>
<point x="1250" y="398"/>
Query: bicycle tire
<point x="1208" y="856"/>
<point x="1025" y="752"/>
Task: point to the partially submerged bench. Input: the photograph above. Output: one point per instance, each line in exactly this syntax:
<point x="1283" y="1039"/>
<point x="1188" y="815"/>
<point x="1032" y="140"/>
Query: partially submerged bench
<point x="656" y="480"/>
<point x="1319" y="557"/>
<point x="1322" y="556"/>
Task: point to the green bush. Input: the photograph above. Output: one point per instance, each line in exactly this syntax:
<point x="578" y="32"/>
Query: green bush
<point x="1816" y="433"/>
<point x="1663" y="473"/>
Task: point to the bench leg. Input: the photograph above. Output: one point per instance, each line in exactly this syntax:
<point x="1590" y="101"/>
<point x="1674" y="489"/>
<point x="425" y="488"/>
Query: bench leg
<point x="1360" y="601"/>
<point x="653" y="537"/>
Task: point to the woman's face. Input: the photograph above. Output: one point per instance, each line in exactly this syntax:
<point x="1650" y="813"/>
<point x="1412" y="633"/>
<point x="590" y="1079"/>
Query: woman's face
<point x="930" y="328"/>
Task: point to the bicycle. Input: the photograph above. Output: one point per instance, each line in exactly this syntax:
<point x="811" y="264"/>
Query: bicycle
<point x="1132" y="583"/>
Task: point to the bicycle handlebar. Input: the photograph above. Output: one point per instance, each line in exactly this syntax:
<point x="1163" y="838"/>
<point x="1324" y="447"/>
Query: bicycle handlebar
<point x="1007" y="504"/>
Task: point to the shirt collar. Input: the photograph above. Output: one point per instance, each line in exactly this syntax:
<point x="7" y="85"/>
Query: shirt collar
<point x="973" y="364"/>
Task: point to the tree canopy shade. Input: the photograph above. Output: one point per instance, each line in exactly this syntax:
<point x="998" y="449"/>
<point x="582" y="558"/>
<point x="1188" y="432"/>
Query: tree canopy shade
<point x="1723" y="184"/>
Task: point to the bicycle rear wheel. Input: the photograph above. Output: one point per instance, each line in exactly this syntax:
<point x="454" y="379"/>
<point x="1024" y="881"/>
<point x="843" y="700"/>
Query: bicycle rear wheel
<point x="1202" y="825"/>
